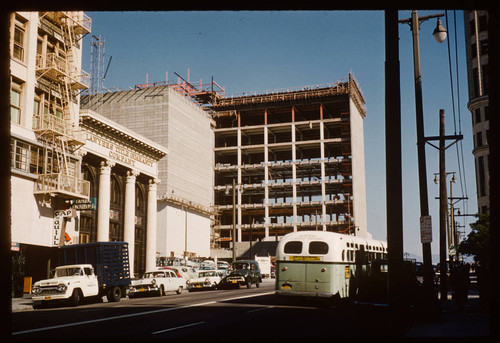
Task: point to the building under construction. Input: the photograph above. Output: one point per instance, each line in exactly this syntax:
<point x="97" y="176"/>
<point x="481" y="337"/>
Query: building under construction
<point x="296" y="160"/>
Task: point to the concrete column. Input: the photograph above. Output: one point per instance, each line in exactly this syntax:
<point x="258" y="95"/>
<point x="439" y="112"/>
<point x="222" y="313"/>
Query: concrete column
<point x="294" y="173"/>
<point x="151" y="225"/>
<point x="323" y="175"/>
<point x="103" y="202"/>
<point x="129" y="217"/>
<point x="238" y="182"/>
<point x="266" y="179"/>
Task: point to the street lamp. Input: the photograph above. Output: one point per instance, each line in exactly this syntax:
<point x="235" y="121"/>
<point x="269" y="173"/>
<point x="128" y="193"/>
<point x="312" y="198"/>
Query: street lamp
<point x="440" y="36"/>
<point x="440" y="32"/>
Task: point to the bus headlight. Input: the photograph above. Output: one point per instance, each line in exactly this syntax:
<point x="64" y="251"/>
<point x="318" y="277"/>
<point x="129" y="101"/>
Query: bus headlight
<point x="62" y="288"/>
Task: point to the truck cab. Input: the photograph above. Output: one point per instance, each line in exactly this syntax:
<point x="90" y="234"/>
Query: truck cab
<point x="70" y="283"/>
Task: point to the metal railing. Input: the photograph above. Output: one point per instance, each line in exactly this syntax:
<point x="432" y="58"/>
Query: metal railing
<point x="52" y="60"/>
<point x="63" y="184"/>
<point x="50" y="122"/>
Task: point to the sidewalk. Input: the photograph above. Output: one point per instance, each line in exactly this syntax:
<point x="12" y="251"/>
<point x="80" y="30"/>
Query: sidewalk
<point x="473" y="322"/>
<point x="22" y="304"/>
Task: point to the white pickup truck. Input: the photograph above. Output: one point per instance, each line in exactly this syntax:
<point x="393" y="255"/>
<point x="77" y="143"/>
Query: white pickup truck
<point x="72" y="282"/>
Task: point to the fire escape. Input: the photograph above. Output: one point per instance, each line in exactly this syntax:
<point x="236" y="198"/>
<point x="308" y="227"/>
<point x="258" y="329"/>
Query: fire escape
<point x="56" y="124"/>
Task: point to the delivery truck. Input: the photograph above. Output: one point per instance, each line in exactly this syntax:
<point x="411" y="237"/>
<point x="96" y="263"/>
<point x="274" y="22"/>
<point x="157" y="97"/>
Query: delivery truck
<point x="86" y="270"/>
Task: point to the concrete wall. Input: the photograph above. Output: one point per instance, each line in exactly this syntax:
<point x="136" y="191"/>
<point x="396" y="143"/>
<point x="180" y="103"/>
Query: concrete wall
<point x="175" y="225"/>
<point x="358" y="171"/>
<point x="183" y="128"/>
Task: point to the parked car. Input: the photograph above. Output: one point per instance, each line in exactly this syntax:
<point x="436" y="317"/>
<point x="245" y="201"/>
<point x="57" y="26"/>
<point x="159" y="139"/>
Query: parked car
<point x="207" y="279"/>
<point x="243" y="273"/>
<point x="207" y="265"/>
<point x="186" y="272"/>
<point x="223" y="265"/>
<point x="157" y="282"/>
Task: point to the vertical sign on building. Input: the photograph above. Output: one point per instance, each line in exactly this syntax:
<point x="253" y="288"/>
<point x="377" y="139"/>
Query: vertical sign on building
<point x="59" y="225"/>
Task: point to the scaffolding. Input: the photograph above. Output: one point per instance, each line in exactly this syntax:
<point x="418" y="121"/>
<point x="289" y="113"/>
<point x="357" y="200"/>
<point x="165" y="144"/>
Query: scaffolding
<point x="198" y="92"/>
<point x="56" y="123"/>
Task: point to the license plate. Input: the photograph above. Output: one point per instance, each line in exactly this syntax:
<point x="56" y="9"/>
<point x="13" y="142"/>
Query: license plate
<point x="234" y="281"/>
<point x="141" y="289"/>
<point x="47" y="298"/>
<point x="198" y="286"/>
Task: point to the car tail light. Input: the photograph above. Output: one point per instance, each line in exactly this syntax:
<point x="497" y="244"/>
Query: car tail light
<point x="323" y="270"/>
<point x="284" y="268"/>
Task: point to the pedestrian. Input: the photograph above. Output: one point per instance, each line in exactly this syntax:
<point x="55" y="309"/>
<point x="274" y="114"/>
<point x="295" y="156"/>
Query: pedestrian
<point x="460" y="281"/>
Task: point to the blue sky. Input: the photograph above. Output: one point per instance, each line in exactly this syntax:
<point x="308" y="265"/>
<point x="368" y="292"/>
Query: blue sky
<point x="248" y="51"/>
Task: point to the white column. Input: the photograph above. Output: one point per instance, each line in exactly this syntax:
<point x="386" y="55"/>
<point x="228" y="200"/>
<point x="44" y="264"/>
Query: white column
<point x="323" y="174"/>
<point x="294" y="172"/>
<point x="151" y="225"/>
<point x="239" y="189"/>
<point x="103" y="202"/>
<point x="266" y="180"/>
<point x="129" y="217"/>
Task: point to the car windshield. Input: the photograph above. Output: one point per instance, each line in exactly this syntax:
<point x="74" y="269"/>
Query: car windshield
<point x="68" y="271"/>
<point x="205" y="274"/>
<point x="240" y="265"/>
<point x="154" y="274"/>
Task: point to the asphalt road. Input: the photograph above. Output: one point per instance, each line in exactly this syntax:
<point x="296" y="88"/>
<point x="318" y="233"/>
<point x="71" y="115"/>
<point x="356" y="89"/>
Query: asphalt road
<point x="221" y="315"/>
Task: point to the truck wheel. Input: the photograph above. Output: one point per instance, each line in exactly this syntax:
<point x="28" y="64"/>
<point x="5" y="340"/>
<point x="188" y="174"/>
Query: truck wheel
<point x="114" y="294"/>
<point x="75" y="297"/>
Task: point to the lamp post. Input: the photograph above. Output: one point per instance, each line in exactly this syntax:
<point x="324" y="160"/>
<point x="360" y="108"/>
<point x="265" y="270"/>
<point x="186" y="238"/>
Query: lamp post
<point x="240" y="189"/>
<point x="440" y="35"/>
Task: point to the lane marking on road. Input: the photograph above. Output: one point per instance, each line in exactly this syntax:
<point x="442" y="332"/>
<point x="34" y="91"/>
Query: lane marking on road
<point x="176" y="328"/>
<point x="131" y="315"/>
<point x="260" y="309"/>
<point x="246" y="296"/>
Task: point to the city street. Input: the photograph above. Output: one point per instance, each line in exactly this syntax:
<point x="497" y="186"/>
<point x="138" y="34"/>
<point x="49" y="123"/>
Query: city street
<point x="223" y="314"/>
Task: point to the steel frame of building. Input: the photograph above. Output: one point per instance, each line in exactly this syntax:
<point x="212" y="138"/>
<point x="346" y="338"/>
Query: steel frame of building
<point x="291" y="158"/>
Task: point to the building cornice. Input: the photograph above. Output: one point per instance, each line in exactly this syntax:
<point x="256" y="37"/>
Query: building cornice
<point x="91" y="118"/>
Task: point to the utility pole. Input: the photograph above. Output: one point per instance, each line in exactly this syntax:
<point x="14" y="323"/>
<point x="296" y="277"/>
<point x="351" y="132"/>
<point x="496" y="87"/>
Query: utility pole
<point x="394" y="190"/>
<point x="440" y="35"/>
<point x="253" y="221"/>
<point x="443" y="211"/>
<point x="443" y="201"/>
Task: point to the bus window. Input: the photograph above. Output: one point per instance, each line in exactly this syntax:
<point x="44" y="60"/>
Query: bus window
<point x="318" y="248"/>
<point x="293" y="247"/>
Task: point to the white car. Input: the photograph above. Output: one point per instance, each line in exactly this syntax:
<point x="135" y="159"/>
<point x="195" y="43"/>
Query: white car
<point x="182" y="271"/>
<point x="157" y="282"/>
<point x="206" y="279"/>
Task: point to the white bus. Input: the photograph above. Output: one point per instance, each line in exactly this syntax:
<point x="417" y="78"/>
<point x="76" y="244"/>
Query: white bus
<point x="322" y="263"/>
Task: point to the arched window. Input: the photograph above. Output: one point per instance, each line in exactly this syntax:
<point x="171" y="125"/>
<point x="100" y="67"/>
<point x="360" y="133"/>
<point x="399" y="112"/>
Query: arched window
<point x="88" y="222"/>
<point x="115" y="191"/>
<point x="140" y="229"/>
<point x="139" y="199"/>
<point x="116" y="209"/>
